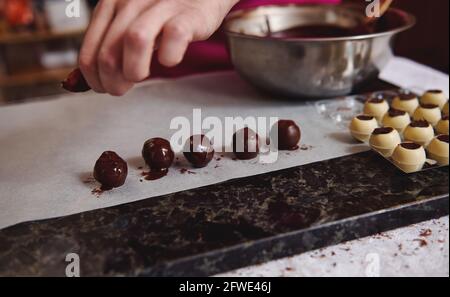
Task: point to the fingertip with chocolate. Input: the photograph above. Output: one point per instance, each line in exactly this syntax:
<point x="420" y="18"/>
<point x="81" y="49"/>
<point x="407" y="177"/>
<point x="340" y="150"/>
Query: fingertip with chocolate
<point x="75" y="82"/>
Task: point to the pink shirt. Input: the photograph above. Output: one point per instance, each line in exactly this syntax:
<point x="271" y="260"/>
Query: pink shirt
<point x="211" y="55"/>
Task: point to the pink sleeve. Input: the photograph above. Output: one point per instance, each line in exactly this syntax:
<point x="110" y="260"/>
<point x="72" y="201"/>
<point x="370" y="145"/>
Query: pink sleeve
<point x="211" y="55"/>
<point x="253" y="3"/>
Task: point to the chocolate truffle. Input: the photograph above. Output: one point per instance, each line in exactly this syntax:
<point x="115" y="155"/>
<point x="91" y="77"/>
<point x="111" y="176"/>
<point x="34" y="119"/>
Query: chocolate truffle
<point x="438" y="149"/>
<point x="442" y="125"/>
<point x="75" y="82"/>
<point x="246" y="144"/>
<point x="198" y="150"/>
<point x="288" y="133"/>
<point x="428" y="112"/>
<point x="407" y="102"/>
<point x="110" y="170"/>
<point x="362" y="127"/>
<point x="397" y="119"/>
<point x="376" y="107"/>
<point x="420" y="132"/>
<point x="445" y="109"/>
<point x="385" y="140"/>
<point x="158" y="154"/>
<point x="434" y="97"/>
<point x="409" y="156"/>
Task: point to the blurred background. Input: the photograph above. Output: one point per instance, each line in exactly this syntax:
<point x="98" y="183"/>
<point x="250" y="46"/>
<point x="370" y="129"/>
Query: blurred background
<point x="39" y="44"/>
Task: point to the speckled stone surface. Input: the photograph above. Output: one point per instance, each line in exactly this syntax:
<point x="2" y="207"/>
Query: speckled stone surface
<point x="241" y="222"/>
<point x="418" y="250"/>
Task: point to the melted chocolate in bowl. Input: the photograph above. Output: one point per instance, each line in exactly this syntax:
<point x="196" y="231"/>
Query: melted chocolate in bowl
<point x="319" y="31"/>
<point x="389" y="21"/>
<point x="420" y="124"/>
<point x="251" y="30"/>
<point x="396" y="113"/>
<point x="383" y="130"/>
<point x="443" y="138"/>
<point x="365" y="118"/>
<point x="410" y="145"/>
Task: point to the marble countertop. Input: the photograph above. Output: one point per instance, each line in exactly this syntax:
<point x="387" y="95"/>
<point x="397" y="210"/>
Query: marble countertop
<point x="418" y="250"/>
<point x="242" y="222"/>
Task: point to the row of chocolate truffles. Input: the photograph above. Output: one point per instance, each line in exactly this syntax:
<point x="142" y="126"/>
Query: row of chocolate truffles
<point x="111" y="170"/>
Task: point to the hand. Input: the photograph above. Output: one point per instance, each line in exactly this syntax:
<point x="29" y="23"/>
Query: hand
<point x="120" y="40"/>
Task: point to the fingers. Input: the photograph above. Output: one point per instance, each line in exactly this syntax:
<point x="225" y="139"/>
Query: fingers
<point x="177" y="34"/>
<point x="101" y="19"/>
<point x="110" y="61"/>
<point x="120" y="41"/>
<point x="140" y="39"/>
<point x="180" y="31"/>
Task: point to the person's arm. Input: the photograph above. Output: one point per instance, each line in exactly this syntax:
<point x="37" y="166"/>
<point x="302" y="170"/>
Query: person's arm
<point x="118" y="45"/>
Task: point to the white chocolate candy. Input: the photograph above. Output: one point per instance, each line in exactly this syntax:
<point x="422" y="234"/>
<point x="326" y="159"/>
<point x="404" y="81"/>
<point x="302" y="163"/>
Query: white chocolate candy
<point x="420" y="132"/>
<point x="442" y="126"/>
<point x="438" y="149"/>
<point x="407" y="102"/>
<point x="376" y="107"/>
<point x="362" y="127"/>
<point x="435" y="97"/>
<point x="396" y="119"/>
<point x="428" y="112"/>
<point x="409" y="156"/>
<point x="385" y="140"/>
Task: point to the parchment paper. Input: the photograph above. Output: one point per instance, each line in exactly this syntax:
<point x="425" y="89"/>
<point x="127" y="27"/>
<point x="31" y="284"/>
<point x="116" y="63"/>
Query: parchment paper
<point x="413" y="76"/>
<point x="48" y="149"/>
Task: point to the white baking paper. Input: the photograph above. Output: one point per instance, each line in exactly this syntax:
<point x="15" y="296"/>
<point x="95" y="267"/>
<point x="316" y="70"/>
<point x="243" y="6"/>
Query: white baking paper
<point x="413" y="76"/>
<point x="48" y="149"/>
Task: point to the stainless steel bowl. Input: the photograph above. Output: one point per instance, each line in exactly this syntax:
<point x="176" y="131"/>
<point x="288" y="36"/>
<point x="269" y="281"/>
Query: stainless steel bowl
<point x="308" y="67"/>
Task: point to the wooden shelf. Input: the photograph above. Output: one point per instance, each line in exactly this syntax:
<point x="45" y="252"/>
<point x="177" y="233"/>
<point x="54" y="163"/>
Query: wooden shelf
<point x="34" y="77"/>
<point x="18" y="38"/>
